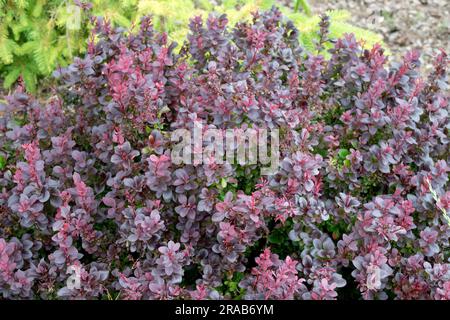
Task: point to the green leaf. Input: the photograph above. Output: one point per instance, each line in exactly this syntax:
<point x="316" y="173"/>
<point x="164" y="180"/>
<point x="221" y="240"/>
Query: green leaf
<point x="30" y="80"/>
<point x="276" y="238"/>
<point x="347" y="163"/>
<point x="6" y="51"/>
<point x="304" y="5"/>
<point x="11" y="77"/>
<point x="2" y="162"/>
<point x="223" y="183"/>
<point x="343" y="153"/>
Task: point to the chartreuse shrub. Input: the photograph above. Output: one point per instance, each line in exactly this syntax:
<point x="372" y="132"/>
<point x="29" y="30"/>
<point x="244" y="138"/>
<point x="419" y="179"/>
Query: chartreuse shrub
<point x="355" y="209"/>
<point x="38" y="35"/>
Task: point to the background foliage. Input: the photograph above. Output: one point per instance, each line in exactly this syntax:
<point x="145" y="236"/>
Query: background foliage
<point x="38" y="35"/>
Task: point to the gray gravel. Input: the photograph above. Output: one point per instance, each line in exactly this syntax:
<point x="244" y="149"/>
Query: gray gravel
<point x="405" y="25"/>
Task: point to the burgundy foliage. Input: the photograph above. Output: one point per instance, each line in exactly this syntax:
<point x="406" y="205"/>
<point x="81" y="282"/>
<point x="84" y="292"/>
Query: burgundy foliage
<point x="89" y="181"/>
